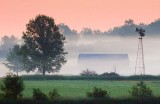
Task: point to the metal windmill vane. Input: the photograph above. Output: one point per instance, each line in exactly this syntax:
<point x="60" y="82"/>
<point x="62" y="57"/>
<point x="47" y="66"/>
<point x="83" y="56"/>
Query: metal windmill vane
<point x="140" y="66"/>
<point x="140" y="31"/>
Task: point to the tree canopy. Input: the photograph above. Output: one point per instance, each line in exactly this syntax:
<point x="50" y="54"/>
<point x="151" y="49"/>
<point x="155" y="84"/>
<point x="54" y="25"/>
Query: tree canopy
<point x="43" y="48"/>
<point x="69" y="34"/>
<point x="7" y="43"/>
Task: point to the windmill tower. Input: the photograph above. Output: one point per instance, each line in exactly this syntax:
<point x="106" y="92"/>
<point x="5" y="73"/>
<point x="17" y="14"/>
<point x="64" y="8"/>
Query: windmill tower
<point x="140" y="66"/>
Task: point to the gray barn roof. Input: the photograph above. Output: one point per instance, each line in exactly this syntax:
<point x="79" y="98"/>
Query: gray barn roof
<point x="104" y="62"/>
<point x="103" y="59"/>
<point x="103" y="56"/>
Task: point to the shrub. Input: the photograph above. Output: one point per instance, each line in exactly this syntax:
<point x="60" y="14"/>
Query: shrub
<point x="88" y="73"/>
<point x="98" y="93"/>
<point x="53" y="94"/>
<point x="12" y="86"/>
<point x="38" y="95"/>
<point x="112" y="74"/>
<point x="140" y="90"/>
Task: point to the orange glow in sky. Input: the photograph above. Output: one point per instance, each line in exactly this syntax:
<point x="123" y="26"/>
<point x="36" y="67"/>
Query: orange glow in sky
<point x="95" y="14"/>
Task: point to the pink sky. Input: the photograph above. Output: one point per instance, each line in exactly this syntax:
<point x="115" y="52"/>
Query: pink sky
<point x="96" y="14"/>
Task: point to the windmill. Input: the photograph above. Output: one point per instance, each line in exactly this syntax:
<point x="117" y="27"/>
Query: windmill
<point x="140" y="66"/>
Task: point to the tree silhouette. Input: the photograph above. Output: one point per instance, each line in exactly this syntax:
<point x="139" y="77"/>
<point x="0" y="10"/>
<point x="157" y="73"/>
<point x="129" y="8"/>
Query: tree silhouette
<point x="70" y="34"/>
<point x="86" y="32"/>
<point x="43" y="47"/>
<point x="14" y="59"/>
<point x="129" y="22"/>
<point x="7" y="43"/>
<point x="88" y="72"/>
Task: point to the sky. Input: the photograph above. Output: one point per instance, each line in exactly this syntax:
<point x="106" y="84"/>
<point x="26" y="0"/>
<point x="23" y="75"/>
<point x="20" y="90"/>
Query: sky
<point x="94" y="14"/>
<point x="77" y="14"/>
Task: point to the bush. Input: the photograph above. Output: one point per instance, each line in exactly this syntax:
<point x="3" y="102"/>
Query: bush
<point x="140" y="90"/>
<point x="53" y="94"/>
<point x="112" y="74"/>
<point x="88" y="73"/>
<point x="98" y="93"/>
<point x="38" y="95"/>
<point x="12" y="86"/>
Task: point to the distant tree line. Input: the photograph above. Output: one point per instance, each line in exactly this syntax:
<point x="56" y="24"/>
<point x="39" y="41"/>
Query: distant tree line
<point x="128" y="29"/>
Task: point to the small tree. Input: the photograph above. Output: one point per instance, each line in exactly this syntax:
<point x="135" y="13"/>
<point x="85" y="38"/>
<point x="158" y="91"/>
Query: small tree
<point x="98" y="93"/>
<point x="129" y="22"/>
<point x="12" y="86"/>
<point x="14" y="59"/>
<point x="88" y="73"/>
<point x="140" y="90"/>
<point x="7" y="43"/>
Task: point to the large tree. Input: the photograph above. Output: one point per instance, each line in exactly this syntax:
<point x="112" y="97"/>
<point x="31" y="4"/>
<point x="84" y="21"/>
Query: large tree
<point x="43" y="48"/>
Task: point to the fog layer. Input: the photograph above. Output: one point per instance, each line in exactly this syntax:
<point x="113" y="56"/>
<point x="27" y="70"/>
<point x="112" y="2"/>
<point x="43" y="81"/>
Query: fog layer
<point x="113" y="45"/>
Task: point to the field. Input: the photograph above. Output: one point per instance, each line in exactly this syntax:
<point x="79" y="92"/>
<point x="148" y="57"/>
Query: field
<point x="78" y="88"/>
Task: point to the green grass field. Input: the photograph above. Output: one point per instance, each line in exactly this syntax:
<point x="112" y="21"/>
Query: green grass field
<point x="78" y="88"/>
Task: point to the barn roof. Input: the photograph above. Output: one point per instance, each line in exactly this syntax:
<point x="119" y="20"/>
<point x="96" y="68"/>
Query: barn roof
<point x="104" y="62"/>
<point x="103" y="56"/>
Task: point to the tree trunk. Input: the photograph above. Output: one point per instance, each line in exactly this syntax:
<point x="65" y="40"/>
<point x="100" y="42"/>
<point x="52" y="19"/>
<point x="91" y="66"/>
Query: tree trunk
<point x="44" y="67"/>
<point x="43" y="72"/>
<point x="17" y="72"/>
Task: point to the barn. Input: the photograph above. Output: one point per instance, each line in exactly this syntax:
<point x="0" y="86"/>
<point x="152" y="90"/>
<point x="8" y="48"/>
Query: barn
<point x="104" y="62"/>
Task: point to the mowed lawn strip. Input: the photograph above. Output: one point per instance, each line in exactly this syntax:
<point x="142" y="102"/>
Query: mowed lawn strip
<point x="78" y="88"/>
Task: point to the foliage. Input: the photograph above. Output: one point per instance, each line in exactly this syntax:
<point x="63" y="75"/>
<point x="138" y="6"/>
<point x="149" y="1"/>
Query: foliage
<point x="12" y="86"/>
<point x="53" y="94"/>
<point x="70" y="35"/>
<point x="43" y="47"/>
<point x="86" y="32"/>
<point x="79" y="88"/>
<point x="128" y="29"/>
<point x="88" y="73"/>
<point x="98" y="93"/>
<point x="14" y="59"/>
<point x="97" y="77"/>
<point x="140" y="90"/>
<point x="7" y="43"/>
<point x="112" y="74"/>
<point x="152" y="28"/>
<point x="38" y="95"/>
<point x="129" y="22"/>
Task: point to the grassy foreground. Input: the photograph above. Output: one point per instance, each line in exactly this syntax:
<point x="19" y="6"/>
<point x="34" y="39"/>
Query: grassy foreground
<point x="78" y="88"/>
<point x="73" y="92"/>
<point x="155" y="100"/>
